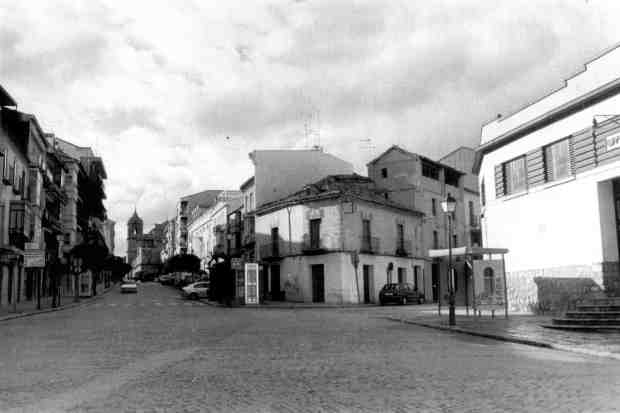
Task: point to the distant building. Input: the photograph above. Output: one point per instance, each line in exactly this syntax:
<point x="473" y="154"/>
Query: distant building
<point x="186" y="204"/>
<point x="337" y="240"/>
<point x="420" y="183"/>
<point x="549" y="177"/>
<point x="207" y="228"/>
<point x="144" y="250"/>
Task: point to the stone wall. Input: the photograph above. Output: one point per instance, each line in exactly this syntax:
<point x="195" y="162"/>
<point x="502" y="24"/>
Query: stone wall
<point x="555" y="290"/>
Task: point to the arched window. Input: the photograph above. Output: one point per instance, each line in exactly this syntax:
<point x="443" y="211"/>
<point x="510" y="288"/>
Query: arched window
<point x="489" y="281"/>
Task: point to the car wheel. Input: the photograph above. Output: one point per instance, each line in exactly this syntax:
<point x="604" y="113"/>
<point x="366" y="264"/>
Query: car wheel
<point x="403" y="301"/>
<point x="193" y="296"/>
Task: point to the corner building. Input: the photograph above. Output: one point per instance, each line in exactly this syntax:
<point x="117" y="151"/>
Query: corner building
<point x="550" y="184"/>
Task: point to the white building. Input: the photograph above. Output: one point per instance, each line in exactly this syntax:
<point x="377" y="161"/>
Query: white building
<point x="550" y="189"/>
<point x="338" y="240"/>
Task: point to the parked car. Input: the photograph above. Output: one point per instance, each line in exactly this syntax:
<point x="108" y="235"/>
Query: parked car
<point x="196" y="290"/>
<point x="129" y="286"/>
<point x="400" y="293"/>
<point x="166" y="279"/>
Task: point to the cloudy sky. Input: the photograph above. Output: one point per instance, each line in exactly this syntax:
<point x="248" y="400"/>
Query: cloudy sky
<point x="174" y="94"/>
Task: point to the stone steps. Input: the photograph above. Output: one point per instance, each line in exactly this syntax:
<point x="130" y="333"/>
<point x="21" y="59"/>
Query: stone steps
<point x="598" y="308"/>
<point x="586" y="321"/>
<point x="576" y="327"/>
<point x="597" y="313"/>
<point x="592" y="314"/>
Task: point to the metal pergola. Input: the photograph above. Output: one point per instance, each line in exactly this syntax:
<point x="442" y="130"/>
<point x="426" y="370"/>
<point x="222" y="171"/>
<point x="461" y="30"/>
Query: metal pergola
<point x="469" y="254"/>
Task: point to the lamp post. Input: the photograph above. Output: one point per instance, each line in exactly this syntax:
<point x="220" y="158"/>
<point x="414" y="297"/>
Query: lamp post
<point x="76" y="269"/>
<point x="448" y="206"/>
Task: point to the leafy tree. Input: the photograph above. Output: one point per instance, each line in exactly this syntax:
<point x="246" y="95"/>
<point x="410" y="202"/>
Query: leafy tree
<point x="182" y="263"/>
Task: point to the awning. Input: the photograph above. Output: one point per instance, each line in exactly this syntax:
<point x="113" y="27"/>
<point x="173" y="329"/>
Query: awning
<point x="462" y="251"/>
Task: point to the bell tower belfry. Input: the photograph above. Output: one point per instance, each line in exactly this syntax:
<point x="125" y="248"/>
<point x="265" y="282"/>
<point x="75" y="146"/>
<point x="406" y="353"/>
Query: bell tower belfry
<point x="135" y="228"/>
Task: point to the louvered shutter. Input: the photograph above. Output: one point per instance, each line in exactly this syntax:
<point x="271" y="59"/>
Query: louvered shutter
<point x="499" y="181"/>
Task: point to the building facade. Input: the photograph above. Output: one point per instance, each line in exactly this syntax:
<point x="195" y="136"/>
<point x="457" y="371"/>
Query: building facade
<point x="338" y="240"/>
<point x="549" y="178"/>
<point x="144" y="249"/>
<point x="420" y="183"/>
<point x="184" y="208"/>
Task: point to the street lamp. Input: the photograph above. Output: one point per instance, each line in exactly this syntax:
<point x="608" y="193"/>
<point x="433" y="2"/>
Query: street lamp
<point x="448" y="206"/>
<point x="76" y="269"/>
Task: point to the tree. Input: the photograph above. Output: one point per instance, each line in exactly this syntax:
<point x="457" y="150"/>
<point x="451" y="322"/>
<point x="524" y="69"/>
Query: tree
<point x="93" y="252"/>
<point x="182" y="263"/>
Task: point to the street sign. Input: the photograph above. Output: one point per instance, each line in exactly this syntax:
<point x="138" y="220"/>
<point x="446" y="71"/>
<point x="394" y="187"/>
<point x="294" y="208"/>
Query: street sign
<point x="236" y="263"/>
<point x="34" y="259"/>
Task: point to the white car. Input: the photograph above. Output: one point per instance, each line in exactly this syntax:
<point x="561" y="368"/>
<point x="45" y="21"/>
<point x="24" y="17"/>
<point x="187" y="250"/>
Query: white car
<point x="129" y="287"/>
<point x="196" y="290"/>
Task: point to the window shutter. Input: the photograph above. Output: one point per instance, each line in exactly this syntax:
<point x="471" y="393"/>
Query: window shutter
<point x="499" y="181"/>
<point x="571" y="155"/>
<point x="536" y="171"/>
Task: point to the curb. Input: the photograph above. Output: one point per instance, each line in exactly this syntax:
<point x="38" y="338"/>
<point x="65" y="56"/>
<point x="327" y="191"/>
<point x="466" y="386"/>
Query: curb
<point x="511" y="339"/>
<point x="51" y="310"/>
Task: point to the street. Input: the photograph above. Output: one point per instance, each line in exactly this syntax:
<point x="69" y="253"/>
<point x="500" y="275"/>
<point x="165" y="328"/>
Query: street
<point x="155" y="352"/>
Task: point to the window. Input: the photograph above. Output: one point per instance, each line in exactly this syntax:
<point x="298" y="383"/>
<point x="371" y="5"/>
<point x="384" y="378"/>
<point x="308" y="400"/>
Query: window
<point x="400" y="237"/>
<point x="483" y="196"/>
<point x="275" y="247"/>
<point x="557" y="160"/>
<point x="472" y="215"/>
<point x="2" y="161"/>
<point x="315" y="233"/>
<point x="402" y="275"/>
<point x="384" y="173"/>
<point x="489" y="281"/>
<point x="514" y="175"/>
<point x="366" y="243"/>
<point x="435" y="240"/>
<point x="452" y="177"/>
<point x="430" y="170"/>
<point x="434" y="206"/>
<point x="454" y="241"/>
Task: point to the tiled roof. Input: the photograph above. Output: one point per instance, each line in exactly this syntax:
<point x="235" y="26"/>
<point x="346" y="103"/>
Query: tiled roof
<point x="334" y="186"/>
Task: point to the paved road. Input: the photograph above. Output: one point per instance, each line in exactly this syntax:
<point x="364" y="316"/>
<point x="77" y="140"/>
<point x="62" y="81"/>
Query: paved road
<point x="153" y="352"/>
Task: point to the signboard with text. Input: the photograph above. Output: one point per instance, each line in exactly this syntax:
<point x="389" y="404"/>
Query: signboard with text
<point x="34" y="259"/>
<point x="613" y="141"/>
<point x="236" y="263"/>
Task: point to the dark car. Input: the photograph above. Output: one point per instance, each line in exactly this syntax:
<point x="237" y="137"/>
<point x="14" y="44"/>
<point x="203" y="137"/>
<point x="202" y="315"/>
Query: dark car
<point x="401" y="293"/>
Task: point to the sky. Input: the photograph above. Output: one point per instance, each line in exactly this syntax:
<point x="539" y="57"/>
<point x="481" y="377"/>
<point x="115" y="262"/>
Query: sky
<point x="173" y="95"/>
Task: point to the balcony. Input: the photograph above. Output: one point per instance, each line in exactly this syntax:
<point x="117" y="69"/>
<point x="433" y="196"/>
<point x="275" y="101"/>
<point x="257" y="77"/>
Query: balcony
<point x="312" y="246"/>
<point x="20" y="224"/>
<point x="248" y="230"/>
<point x="403" y="248"/>
<point x="369" y="245"/>
<point x="270" y="251"/>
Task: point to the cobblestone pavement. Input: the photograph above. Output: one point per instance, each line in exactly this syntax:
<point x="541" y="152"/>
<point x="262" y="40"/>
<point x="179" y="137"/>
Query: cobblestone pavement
<point x="120" y="356"/>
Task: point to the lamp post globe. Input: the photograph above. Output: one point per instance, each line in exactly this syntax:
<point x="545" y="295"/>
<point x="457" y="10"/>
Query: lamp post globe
<point x="449" y="206"/>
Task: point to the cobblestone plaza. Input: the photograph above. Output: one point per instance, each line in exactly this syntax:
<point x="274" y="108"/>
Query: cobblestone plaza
<point x="153" y="352"/>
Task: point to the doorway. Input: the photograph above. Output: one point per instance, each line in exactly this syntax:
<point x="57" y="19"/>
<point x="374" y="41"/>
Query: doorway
<point x="275" y="283"/>
<point x="318" y="283"/>
<point x="368" y="281"/>
<point x="435" y="280"/>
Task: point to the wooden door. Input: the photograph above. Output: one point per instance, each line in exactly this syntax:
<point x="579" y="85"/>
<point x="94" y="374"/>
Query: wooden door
<point x="367" y="284"/>
<point x="318" y="283"/>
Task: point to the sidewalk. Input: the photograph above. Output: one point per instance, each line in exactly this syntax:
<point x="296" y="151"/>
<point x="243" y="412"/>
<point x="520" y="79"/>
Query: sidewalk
<point x="523" y="329"/>
<point x="29" y="308"/>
